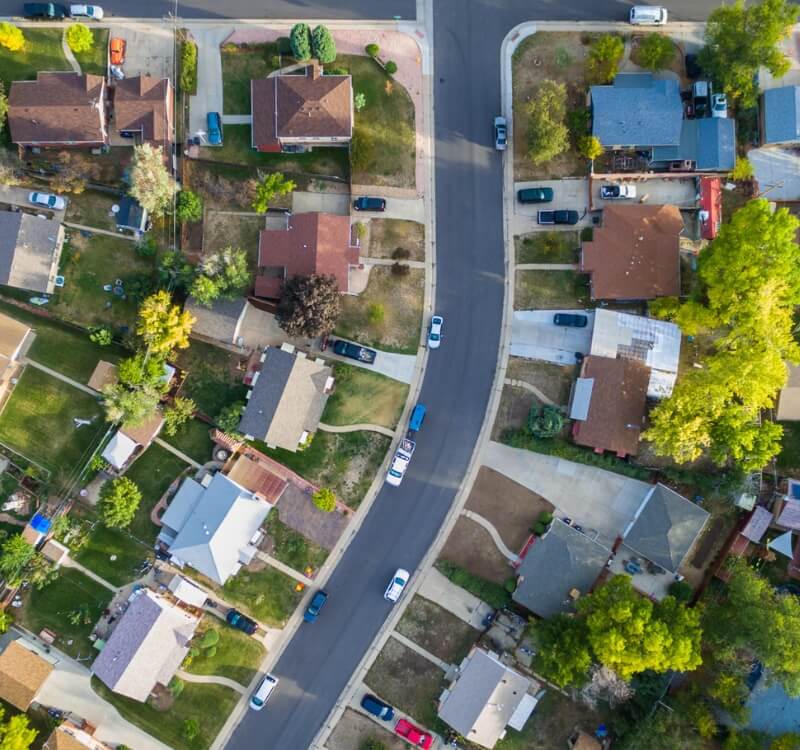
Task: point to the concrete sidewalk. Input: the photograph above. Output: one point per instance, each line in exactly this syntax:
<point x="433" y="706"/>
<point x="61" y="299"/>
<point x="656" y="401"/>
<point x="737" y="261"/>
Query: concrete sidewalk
<point x="454" y="599"/>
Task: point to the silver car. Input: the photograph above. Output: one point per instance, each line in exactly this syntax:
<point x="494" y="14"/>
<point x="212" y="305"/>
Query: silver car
<point x="435" y="332"/>
<point x="94" y="12"/>
<point x="48" y="200"/>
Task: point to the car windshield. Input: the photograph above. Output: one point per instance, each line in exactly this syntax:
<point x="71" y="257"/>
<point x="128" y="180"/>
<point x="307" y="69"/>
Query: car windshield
<point x="395" y="473"/>
<point x="399" y="581"/>
<point x="257" y="701"/>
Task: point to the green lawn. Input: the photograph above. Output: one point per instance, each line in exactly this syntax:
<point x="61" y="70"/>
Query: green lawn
<point x="212" y="381"/>
<point x="238" y="656"/>
<point x="492" y="593"/>
<point x="551" y="290"/>
<point x="102" y="544"/>
<point x="208" y="705"/>
<point x="548" y="247"/>
<point x="37" y="422"/>
<point x="92" y="209"/>
<point x="193" y="439"/>
<point x="72" y="592"/>
<point x="94" y="61"/>
<point x="266" y="594"/>
<point x="361" y="396"/>
<point x="42" y="52"/>
<point x="789" y="457"/>
<point x="240" y="65"/>
<point x="293" y="548"/>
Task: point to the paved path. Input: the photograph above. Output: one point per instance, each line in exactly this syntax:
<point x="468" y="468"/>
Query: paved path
<point x="356" y="427"/>
<point x="443" y="665"/>
<point x="459" y="602"/>
<point x="546" y="266"/>
<point x="96" y="230"/>
<point x="70" y="563"/>
<point x="397" y="366"/>
<point x="211" y="679"/>
<point x="291" y="572"/>
<point x="237" y="119"/>
<point x="180" y="454"/>
<point x="391" y="262"/>
<point x="60" y="376"/>
<point x="531" y="388"/>
<point x="494" y="533"/>
<point x="73" y="63"/>
<point x="209" y="75"/>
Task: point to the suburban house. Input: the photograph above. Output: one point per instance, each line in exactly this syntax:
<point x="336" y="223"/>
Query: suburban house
<point x="780" y="116"/>
<point x="128" y="443"/>
<point x="559" y="567"/>
<point x="213" y="526"/>
<point x="708" y="144"/>
<point x="72" y="736"/>
<point x="296" y="112"/>
<point x="789" y="398"/>
<point x="143" y="111"/>
<point x="14" y="339"/>
<point x="58" y="110"/>
<point x="484" y="698"/>
<point x="655" y="343"/>
<point x="235" y="322"/>
<point x="635" y="254"/>
<point x="146" y="647"/>
<point x="286" y="398"/>
<point x="312" y="243"/>
<point x="22" y="674"/>
<point x="30" y="248"/>
<point x="608" y="404"/>
<point x="187" y="592"/>
<point x="249" y="469"/>
<point x="131" y="217"/>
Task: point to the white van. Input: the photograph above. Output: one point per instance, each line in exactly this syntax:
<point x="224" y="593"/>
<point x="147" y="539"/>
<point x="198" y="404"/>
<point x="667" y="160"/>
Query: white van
<point x="648" y="15"/>
<point x="263" y="692"/>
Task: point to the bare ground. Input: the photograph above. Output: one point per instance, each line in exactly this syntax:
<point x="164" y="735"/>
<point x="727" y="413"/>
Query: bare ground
<point x="354" y="729"/>
<point x="437" y="631"/>
<point x="236" y="230"/>
<point x="555" y="381"/>
<point x="515" y="405"/>
<point x="470" y="547"/>
<point x="387" y="236"/>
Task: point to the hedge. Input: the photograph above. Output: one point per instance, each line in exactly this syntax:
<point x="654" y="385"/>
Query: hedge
<point x="188" y="76"/>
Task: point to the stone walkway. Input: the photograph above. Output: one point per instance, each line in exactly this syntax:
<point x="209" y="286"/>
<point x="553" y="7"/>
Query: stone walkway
<point x="60" y="376"/>
<point x="284" y="568"/>
<point x="211" y="679"/>
<point x="95" y="230"/>
<point x="439" y="589"/>
<point x="531" y="388"/>
<point x="443" y="665"/>
<point x="356" y="427"/>
<point x="496" y="538"/>
<point x="172" y="449"/>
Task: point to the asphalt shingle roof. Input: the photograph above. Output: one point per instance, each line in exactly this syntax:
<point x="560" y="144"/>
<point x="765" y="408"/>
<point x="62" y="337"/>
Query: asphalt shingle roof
<point x="30" y="247"/>
<point x="782" y="115"/>
<point x="709" y="142"/>
<point x="22" y="674"/>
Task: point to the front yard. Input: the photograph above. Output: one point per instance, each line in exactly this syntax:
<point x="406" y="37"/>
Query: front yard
<point x="237" y="655"/>
<point x="551" y="290"/>
<point x="42" y="51"/>
<point x="437" y="631"/>
<point x="266" y="593"/>
<point x="395" y="238"/>
<point x="548" y="247"/>
<point x="292" y="548"/>
<point x="364" y="397"/>
<point x="94" y="61"/>
<point x="92" y="209"/>
<point x="241" y="64"/>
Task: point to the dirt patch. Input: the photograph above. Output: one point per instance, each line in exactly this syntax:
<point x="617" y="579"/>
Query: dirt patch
<point x="396" y="238"/>
<point x="354" y="729"/>
<point x="298" y="512"/>
<point x="555" y="381"/>
<point x="511" y="508"/>
<point x="222" y="230"/>
<point x="708" y="547"/>
<point x="437" y="631"/>
<point x="515" y="405"/>
<point x="470" y="547"/>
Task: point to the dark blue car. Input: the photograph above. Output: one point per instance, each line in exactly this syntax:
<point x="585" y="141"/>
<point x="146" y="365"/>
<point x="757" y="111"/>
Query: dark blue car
<point x="377" y="707"/>
<point x="214" y="123"/>
<point x="317" y="603"/>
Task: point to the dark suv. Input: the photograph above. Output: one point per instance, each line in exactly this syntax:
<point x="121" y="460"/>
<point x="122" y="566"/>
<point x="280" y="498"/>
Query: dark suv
<point x="570" y="320"/>
<point x="377" y="707"/>
<point x="45" y="10"/>
<point x="236" y="619"/>
<point x="369" y="204"/>
<point x="354" y="351"/>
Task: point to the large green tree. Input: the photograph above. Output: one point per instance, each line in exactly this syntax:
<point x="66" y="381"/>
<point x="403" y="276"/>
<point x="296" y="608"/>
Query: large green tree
<point x="222" y="274"/>
<point x="151" y="183"/>
<point x="548" y="135"/>
<point x="562" y="652"/>
<point x="309" y="306"/>
<point x="16" y="554"/>
<point x="162" y="325"/>
<point x="119" y="500"/>
<point x="16" y="734"/>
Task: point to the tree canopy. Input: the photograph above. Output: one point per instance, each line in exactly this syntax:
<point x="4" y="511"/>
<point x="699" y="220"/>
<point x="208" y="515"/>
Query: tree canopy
<point x="16" y="555"/>
<point x="80" y="38"/>
<point x="270" y="187"/>
<point x="16" y="734"/>
<point x="178" y="414"/>
<point x="223" y="274"/>
<point x="322" y="45"/>
<point x="189" y="206"/>
<point x="300" y="41"/>
<point x="604" y="58"/>
<point x="151" y="183"/>
<point x="309" y="306"/>
<point x="119" y="500"/>
<point x="162" y="325"/>
<point x="548" y="135"/>
<point x="11" y="37"/>
<point x="656" y="51"/>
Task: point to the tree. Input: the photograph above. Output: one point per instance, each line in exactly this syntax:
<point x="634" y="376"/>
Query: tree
<point x="16" y="555"/>
<point x="270" y="187"/>
<point x="100" y="335"/>
<point x="545" y="422"/>
<point x="228" y="419"/>
<point x="223" y="274"/>
<point x="178" y="414"/>
<point x="309" y="306"/>
<point x="142" y="370"/>
<point x="131" y="406"/>
<point x="390" y="67"/>
<point x="322" y="45"/>
<point x="740" y="40"/>
<point x="656" y="51"/>
<point x="6" y="620"/>
<point x="300" y="41"/>
<point x="590" y="146"/>
<point x="789" y="741"/>
<point x="151" y="183"/>
<point x="562" y="654"/>
<point x="189" y="207"/>
<point x="16" y="734"/>
<point x="80" y="38"/>
<point x="548" y="135"/>
<point x="664" y="729"/>
<point x="175" y="271"/>
<point x="11" y="37"/>
<point x="325" y="499"/>
<point x="190" y="729"/>
<point x="604" y="58"/>
<point x="360" y="101"/>
<point x="162" y="325"/>
<point x="119" y="500"/>
<point x="373" y="50"/>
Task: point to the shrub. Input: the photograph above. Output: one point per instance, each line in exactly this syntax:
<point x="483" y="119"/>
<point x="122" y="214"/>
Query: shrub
<point x="11" y="37"/>
<point x="80" y="38"/>
<point x="682" y="591"/>
<point x="604" y="58"/>
<point x="283" y="45"/>
<point x="545" y="517"/>
<point x="539" y="528"/>
<point x="578" y="121"/>
<point x="325" y="499"/>
<point x="300" y="41"/>
<point x="275" y="61"/>
<point x="562" y="58"/>
<point x="400" y="253"/>
<point x="742" y="171"/>
<point x="228" y="419"/>
<point x="493" y="594"/>
<point x="390" y="67"/>
<point x="372" y="50"/>
<point x="510" y="584"/>
<point x="545" y="422"/>
<point x="376" y="313"/>
<point x="210" y="638"/>
<point x="547" y="132"/>
<point x="97" y="463"/>
<point x="400" y="269"/>
<point x="100" y="335"/>
<point x="322" y="45"/>
<point x="360" y="229"/>
<point x="587" y="234"/>
<point x="176" y="686"/>
<point x="189" y="207"/>
<point x="359" y="101"/>
<point x="590" y="146"/>
<point x="190" y="729"/>
<point x="210" y="652"/>
<point x="188" y="74"/>
<point x="146" y="248"/>
<point x="336" y="71"/>
<point x="655" y="52"/>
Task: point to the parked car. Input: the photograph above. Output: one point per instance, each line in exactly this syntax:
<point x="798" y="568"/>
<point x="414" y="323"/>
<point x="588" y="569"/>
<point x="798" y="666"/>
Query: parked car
<point x="369" y="204"/>
<point x="262" y="693"/>
<point x="48" y="200"/>
<point x="316" y="605"/>
<point x="557" y="217"/>
<point x="617" y="192"/>
<point x="535" y="195"/>
<point x="377" y="707"/>
<point x="570" y="320"/>
<point x="647" y="15"/>
<point x="214" y="127"/>
<point x="701" y="98"/>
<point x="94" y="12"/>
<point x="396" y="585"/>
<point x="413" y="735"/>
<point x="500" y="133"/>
<point x="435" y="332"/>
<point x="116" y="50"/>
<point x="354" y="351"/>
<point x="719" y="105"/>
<point x="236" y="619"/>
<point x="44" y="10"/>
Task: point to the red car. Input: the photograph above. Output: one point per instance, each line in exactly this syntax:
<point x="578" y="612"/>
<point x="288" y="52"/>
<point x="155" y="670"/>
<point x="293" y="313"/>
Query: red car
<point x="117" y="50"/>
<point x="413" y="735"/>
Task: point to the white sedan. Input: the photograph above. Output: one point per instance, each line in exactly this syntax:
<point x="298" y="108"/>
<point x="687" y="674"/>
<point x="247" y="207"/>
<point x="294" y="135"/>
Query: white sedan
<point x="396" y="585"/>
<point x="86" y="11"/>
<point x="48" y="200"/>
<point x="435" y="332"/>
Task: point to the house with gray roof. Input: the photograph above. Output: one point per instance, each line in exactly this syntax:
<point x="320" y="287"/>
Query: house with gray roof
<point x="558" y="568"/>
<point x="146" y="647"/>
<point x="30" y="248"/>
<point x="709" y="143"/>
<point x="484" y="698"/>
<point x="214" y="526"/>
<point x="221" y="321"/>
<point x="286" y="398"/>
<point x="780" y="116"/>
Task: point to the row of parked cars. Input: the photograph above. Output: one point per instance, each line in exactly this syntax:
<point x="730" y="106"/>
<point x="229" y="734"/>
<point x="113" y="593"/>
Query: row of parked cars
<point x="55" y="11"/>
<point x="405" y="729"/>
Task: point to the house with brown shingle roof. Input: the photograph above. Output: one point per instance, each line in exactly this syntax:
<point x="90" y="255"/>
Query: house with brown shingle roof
<point x="143" y="110"/>
<point x="635" y="254"/>
<point x="22" y="674"/>
<point x="58" y="110"/>
<point x="312" y="243"/>
<point x="301" y="110"/>
<point x="71" y="736"/>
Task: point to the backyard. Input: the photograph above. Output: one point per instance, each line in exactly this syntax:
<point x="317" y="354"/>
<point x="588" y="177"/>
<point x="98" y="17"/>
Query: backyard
<point x="241" y="63"/>
<point x="94" y="61"/>
<point x="292" y="548"/>
<point x="364" y="397"/>
<point x="437" y="631"/>
<point x="92" y="209"/>
<point x="213" y="381"/>
<point x="42" y="51"/>
<point x="548" y="247"/>
<point x="224" y="229"/>
<point x="551" y="290"/>
<point x="192" y="438"/>
<point x="113" y="554"/>
<point x="237" y="655"/>
<point x="395" y="238"/>
<point x="789" y="457"/>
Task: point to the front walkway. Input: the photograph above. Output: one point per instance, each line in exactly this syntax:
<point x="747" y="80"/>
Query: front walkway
<point x="356" y="428"/>
<point x="459" y="602"/>
<point x="493" y="532"/>
<point x="408" y="643"/>
<point x="211" y="679"/>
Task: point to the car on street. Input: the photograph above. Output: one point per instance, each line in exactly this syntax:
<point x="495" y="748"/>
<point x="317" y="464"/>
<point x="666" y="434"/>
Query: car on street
<point x="354" y="351"/>
<point x="617" y="192"/>
<point x="570" y="320"/>
<point x="48" y="200"/>
<point x="435" y="332"/>
<point x="262" y="693"/>
<point x="719" y="105"/>
<point x="557" y="217"/>
<point x="413" y="735"/>
<point x="95" y="12"/>
<point x="647" y="15"/>
<point x="500" y="133"/>
<point x="315" y="607"/>
<point x="365" y="203"/>
<point x="400" y="461"/>
<point x="214" y="126"/>
<point x="236" y="619"/>
<point x="45" y="10"/>
<point x="116" y="50"/>
<point x="535" y="195"/>
<point x="396" y="585"/>
<point x="377" y="707"/>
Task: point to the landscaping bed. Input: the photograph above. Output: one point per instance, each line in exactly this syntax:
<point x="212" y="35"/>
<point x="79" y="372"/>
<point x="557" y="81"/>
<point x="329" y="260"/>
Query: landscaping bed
<point x="94" y="61"/>
<point x="548" y="247"/>
<point x="42" y="51"/>
<point x="128" y="552"/>
<point x="551" y="290"/>
<point x="221" y="186"/>
<point x="292" y="548"/>
<point x="213" y="380"/>
<point x="471" y="548"/>
<point x="237" y="657"/>
<point x="242" y="63"/>
<point x="393" y="238"/>
<point x="437" y="631"/>
<point x="192" y="438"/>
<point x="495" y="595"/>
<point x="364" y="397"/>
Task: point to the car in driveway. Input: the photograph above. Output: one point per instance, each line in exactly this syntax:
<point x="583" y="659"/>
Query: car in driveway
<point x="435" y="332"/>
<point x="719" y="105"/>
<point x="95" y="12"/>
<point x="617" y="192"/>
<point x="365" y="203"/>
<point x="354" y="351"/>
<point x="44" y="10"/>
<point x="396" y="585"/>
<point x="557" y="217"/>
<point x="315" y="606"/>
<point x="377" y="707"/>
<point x="116" y="50"/>
<point x="237" y="620"/>
<point x="48" y="200"/>
<point x="500" y="133"/>
<point x="535" y="195"/>
<point x="412" y="734"/>
<point x="214" y="127"/>
<point x="571" y="320"/>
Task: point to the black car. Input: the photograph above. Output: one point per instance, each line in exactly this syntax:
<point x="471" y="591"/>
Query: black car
<point x="45" y="10"/>
<point x="535" y="195"/>
<point x="571" y="320"/>
<point x="236" y="619"/>
<point x="558" y="217"/>
<point x="377" y="707"/>
<point x="369" y="204"/>
<point x="354" y="351"/>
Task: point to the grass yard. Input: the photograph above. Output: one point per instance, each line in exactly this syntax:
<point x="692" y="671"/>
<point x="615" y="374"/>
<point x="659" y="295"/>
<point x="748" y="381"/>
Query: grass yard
<point x="193" y="439"/>
<point x="37" y="422"/>
<point x="554" y="381"/>
<point x="213" y="381"/>
<point x="72" y="592"/>
<point x="789" y="457"/>
<point x="391" y="238"/>
<point x="104" y="543"/>
<point x="292" y="548"/>
<point x="238" y="656"/>
<point x="361" y="396"/>
<point x="267" y="594"/>
<point x="92" y="209"/>
<point x="548" y="247"/>
<point x="221" y="186"/>
<point x="346" y="462"/>
<point x="241" y="64"/>
<point x="94" y="61"/>
<point x="551" y="290"/>
<point x="42" y="52"/>
<point x="437" y="631"/>
<point x="223" y="230"/>
<point x="388" y="313"/>
<point x="492" y="593"/>
<point x="208" y="705"/>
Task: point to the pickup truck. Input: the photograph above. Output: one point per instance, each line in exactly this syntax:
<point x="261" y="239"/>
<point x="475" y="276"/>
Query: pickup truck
<point x="617" y="192"/>
<point x="44" y="10"/>
<point x="558" y="217"/>
<point x="353" y="351"/>
<point x="400" y="462"/>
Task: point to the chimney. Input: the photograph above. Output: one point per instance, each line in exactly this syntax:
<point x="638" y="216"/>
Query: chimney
<point x="316" y="70"/>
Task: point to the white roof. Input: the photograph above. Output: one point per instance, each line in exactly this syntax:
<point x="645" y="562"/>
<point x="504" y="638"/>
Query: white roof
<point x="523" y="712"/>
<point x="581" y="398"/>
<point x="187" y="592"/>
<point x="119" y="449"/>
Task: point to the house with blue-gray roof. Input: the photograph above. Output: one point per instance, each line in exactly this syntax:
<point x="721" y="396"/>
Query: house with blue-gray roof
<point x="709" y="143"/>
<point x="780" y="116"/>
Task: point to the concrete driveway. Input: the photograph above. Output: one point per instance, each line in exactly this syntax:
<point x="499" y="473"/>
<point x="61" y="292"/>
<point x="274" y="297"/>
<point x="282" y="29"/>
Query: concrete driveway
<point x="570" y="194"/>
<point x="681" y="192"/>
<point x="397" y="366"/>
<point x="329" y="203"/>
<point x="535" y="336"/>
<point x="412" y="209"/>
<point x="17" y="196"/>
<point x="149" y="50"/>
<point x="778" y="173"/>
<point x="209" y="76"/>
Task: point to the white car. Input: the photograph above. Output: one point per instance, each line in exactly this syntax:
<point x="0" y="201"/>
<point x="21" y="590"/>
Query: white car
<point x="396" y="585"/>
<point x="719" y="105"/>
<point x="94" y="12"/>
<point x="48" y="200"/>
<point x="435" y="332"/>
